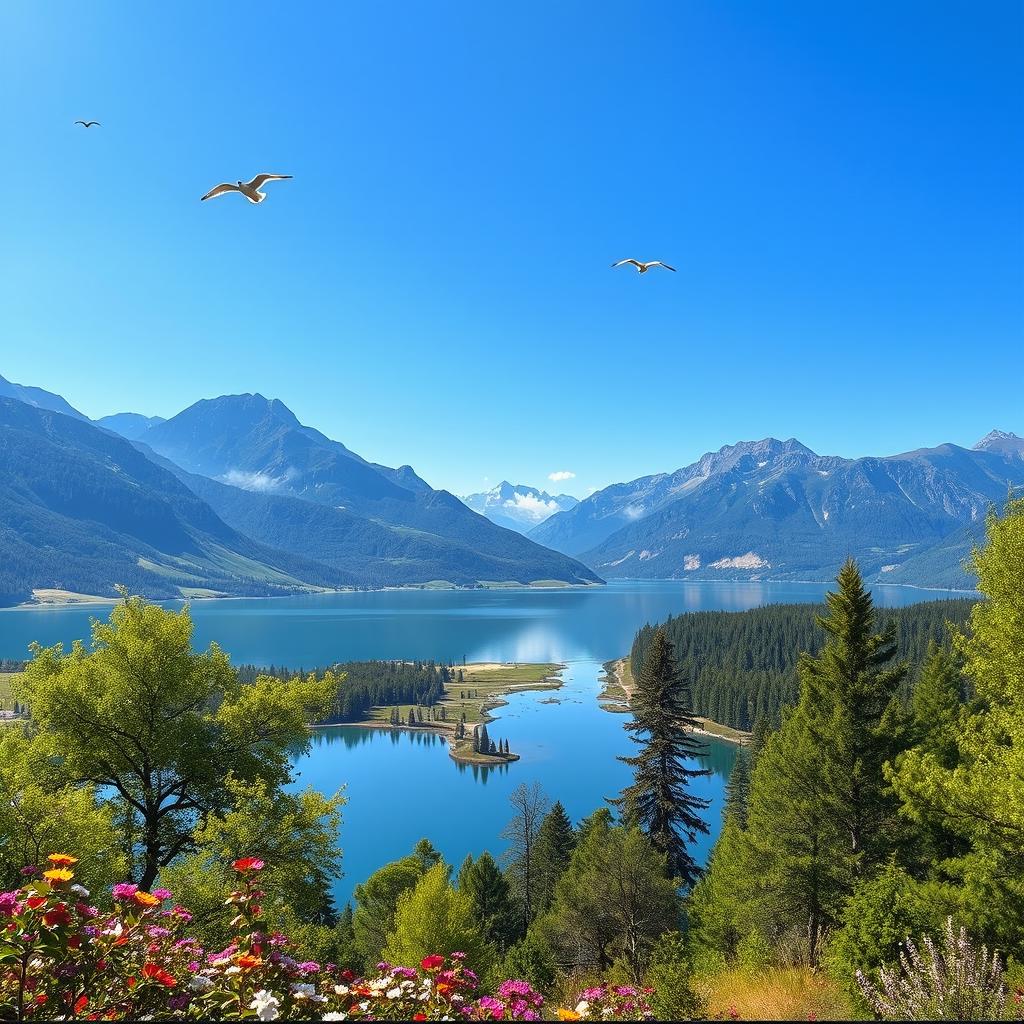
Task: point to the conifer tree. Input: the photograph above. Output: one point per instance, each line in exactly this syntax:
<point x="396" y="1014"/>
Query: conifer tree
<point x="484" y="741"/>
<point x="487" y="887"/>
<point x="555" y="842"/>
<point x="662" y="725"/>
<point x="936" y="703"/>
<point x="737" y="790"/>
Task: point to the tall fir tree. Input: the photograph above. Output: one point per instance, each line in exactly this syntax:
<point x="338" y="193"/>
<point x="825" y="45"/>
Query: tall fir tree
<point x="936" y="703"/>
<point x="555" y="842"/>
<point x="659" y="801"/>
<point x="489" y="890"/>
<point x="737" y="790"/>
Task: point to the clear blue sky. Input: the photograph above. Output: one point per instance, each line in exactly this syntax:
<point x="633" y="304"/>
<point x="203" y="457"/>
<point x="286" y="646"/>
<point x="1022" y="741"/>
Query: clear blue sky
<point x="839" y="184"/>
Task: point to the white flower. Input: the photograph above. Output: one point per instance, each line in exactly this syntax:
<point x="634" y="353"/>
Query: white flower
<point x="233" y="969"/>
<point x="80" y="889"/>
<point x="581" y="1007"/>
<point x="266" y="1005"/>
<point x="394" y="993"/>
<point x="341" y="990"/>
<point x="335" y="1016"/>
<point x="305" y="991"/>
<point x="199" y="983"/>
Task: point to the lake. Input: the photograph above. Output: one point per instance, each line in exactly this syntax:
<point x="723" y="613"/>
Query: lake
<point x="403" y="786"/>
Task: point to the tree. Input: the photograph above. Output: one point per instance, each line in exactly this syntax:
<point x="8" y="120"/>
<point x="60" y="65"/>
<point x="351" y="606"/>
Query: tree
<point x="979" y="797"/>
<point x="486" y="886"/>
<point x="483" y="740"/>
<point x="377" y="899"/>
<point x="556" y="840"/>
<point x="296" y="834"/>
<point x="435" y="918"/>
<point x="612" y="903"/>
<point x="662" y="724"/>
<point x="162" y="727"/>
<point x="847" y="697"/>
<point x="530" y="805"/>
<point x="936" y="703"/>
<point x="737" y="790"/>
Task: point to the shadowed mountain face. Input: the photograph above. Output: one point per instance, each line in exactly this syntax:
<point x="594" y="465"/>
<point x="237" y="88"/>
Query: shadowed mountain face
<point x="129" y="424"/>
<point x="257" y="447"/>
<point x="38" y="398"/>
<point x="775" y="510"/>
<point x="518" y="507"/>
<point x="81" y="510"/>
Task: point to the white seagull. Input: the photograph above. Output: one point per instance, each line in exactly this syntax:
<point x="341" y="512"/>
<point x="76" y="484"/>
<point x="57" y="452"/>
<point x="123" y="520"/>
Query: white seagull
<point x="642" y="268"/>
<point x="249" y="189"/>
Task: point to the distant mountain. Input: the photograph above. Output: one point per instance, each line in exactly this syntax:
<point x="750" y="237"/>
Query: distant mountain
<point x="518" y="507"/>
<point x="775" y="510"/>
<point x="81" y="509"/>
<point x="129" y="424"/>
<point x="38" y="398"/>
<point x="1003" y="442"/>
<point x="362" y="514"/>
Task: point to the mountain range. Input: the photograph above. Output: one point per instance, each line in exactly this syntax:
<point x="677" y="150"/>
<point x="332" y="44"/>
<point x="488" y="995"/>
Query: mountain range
<point x="517" y="506"/>
<point x="231" y="496"/>
<point x="775" y="509"/>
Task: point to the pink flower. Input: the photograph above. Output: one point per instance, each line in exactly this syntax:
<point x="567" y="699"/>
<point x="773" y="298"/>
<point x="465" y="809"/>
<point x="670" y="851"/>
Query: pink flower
<point x="124" y="891"/>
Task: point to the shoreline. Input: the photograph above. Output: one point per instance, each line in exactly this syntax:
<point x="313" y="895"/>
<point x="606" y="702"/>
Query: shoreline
<point x="617" y="691"/>
<point x="548" y="677"/>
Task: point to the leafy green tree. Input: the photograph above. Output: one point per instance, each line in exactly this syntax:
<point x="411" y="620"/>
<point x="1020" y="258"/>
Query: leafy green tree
<point x="486" y="886"/>
<point x="433" y="917"/>
<point x="162" y="727"/>
<point x="529" y="959"/>
<point x="669" y="973"/>
<point x="612" y="903"/>
<point x="662" y="724"/>
<point x="556" y="839"/>
<point x="37" y="820"/>
<point x="377" y="900"/>
<point x="296" y="834"/>
<point x="980" y="796"/>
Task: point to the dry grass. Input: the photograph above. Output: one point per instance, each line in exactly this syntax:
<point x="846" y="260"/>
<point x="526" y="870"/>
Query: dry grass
<point x="783" y="993"/>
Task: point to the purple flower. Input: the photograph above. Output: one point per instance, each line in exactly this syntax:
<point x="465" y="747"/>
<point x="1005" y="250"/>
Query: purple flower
<point x="9" y="905"/>
<point x="124" y="890"/>
<point x="162" y="894"/>
<point x="308" y="967"/>
<point x="30" y="871"/>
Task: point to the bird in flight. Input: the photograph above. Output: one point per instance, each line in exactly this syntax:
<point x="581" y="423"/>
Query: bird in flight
<point x="642" y="268"/>
<point x="249" y="189"/>
<point x="89" y="124"/>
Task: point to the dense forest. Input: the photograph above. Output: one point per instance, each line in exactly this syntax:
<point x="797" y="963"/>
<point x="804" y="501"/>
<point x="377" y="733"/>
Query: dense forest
<point x="742" y="666"/>
<point x="368" y="684"/>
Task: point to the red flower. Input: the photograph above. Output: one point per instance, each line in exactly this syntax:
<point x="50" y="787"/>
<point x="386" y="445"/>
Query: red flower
<point x="248" y="864"/>
<point x="81" y="1003"/>
<point x="35" y="902"/>
<point x="419" y="1016"/>
<point x="432" y="963"/>
<point x="154" y="972"/>
<point x="57" y="915"/>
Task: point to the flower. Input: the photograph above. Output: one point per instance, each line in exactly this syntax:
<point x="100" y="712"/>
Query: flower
<point x="154" y="972"/>
<point x="62" y="860"/>
<point x="247" y="961"/>
<point x="56" y="876"/>
<point x="57" y="915"/>
<point x="266" y="1005"/>
<point x="244" y="864"/>
<point x="145" y="899"/>
<point x="432" y="963"/>
<point x="568" y="1014"/>
<point x="162" y="894"/>
<point x="124" y="891"/>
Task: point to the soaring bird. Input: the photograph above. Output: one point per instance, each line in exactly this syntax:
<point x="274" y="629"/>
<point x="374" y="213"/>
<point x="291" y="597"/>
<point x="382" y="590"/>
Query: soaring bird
<point x="89" y="124"/>
<point x="249" y="189"/>
<point x="642" y="268"/>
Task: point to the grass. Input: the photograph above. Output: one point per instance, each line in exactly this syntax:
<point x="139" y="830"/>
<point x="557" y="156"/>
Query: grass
<point x="781" y="993"/>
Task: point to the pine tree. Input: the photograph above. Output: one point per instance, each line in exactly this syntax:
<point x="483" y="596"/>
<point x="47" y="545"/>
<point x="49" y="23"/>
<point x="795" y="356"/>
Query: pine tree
<point x="737" y="790"/>
<point x="412" y="717"/>
<point x="659" y="800"/>
<point x="487" y="887"/>
<point x="492" y="749"/>
<point x="936" y="703"/>
<point x="484" y="741"/>
<point x="555" y="842"/>
<point x="846" y="691"/>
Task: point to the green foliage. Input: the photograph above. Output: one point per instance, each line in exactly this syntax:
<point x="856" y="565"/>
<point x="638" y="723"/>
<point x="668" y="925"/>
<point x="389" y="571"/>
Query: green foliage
<point x="377" y="900"/>
<point x="662" y="724"/>
<point x="979" y="797"/>
<point x="531" y="960"/>
<point x="163" y="727"/>
<point x="556" y="840"/>
<point x="37" y="820"/>
<point x="668" y="972"/>
<point x="435" y="918"/>
<point x="488" y="890"/>
<point x="612" y="903"/>
<point x="295" y="833"/>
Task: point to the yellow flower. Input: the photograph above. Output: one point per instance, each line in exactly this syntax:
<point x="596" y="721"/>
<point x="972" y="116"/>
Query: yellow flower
<point x="145" y="899"/>
<point x="568" y="1014"/>
<point x="62" y="860"/>
<point x="57" y="875"/>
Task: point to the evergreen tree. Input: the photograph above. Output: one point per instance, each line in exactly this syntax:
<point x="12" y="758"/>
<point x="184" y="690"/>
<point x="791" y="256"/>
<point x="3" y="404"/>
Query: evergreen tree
<point x="556" y="840"/>
<point x="737" y="790"/>
<point x="848" y="700"/>
<point x="936" y="704"/>
<point x="487" y="887"/>
<point x="659" y="800"/>
<point x="484" y="743"/>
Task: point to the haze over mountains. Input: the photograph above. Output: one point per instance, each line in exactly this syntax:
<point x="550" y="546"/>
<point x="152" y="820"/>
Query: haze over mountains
<point x="231" y="496"/>
<point x="517" y="506"/>
<point x="775" y="509"/>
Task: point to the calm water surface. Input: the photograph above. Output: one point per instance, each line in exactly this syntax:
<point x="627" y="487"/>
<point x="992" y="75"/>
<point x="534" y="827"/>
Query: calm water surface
<point x="402" y="786"/>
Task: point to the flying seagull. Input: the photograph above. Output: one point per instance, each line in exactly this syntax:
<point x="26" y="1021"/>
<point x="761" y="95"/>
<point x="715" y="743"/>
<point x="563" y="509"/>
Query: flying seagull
<point x="249" y="189"/>
<point x="89" y="124"/>
<point x="642" y="268"/>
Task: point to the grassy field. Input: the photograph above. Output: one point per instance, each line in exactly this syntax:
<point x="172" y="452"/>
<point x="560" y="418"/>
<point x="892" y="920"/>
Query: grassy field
<point x="776" y="994"/>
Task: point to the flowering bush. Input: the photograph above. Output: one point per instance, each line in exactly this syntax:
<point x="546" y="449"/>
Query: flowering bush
<point x="62" y="957"/>
<point x="611" y="1002"/>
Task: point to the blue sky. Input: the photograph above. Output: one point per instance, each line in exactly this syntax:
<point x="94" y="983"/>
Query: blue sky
<point x="839" y="185"/>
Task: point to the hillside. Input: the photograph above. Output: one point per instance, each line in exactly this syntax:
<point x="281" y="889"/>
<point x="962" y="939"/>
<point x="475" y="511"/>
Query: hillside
<point x="517" y="506"/>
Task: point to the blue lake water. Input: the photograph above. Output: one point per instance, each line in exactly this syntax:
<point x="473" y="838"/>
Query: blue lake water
<point x="403" y="786"/>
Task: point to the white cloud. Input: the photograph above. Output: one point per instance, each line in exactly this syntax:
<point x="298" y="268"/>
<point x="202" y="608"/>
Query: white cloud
<point x="633" y="511"/>
<point x="263" y="482"/>
<point x="529" y="507"/>
<point x="562" y="474"/>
